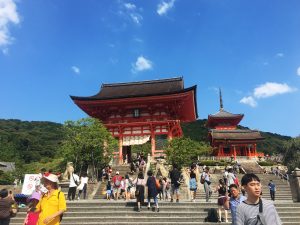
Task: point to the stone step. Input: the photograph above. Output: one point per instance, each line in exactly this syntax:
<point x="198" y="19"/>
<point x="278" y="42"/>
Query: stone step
<point x="154" y="217"/>
<point x="146" y="223"/>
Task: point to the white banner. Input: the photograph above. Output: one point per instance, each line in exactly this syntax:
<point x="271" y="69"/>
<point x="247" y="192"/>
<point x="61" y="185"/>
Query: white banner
<point x="30" y="182"/>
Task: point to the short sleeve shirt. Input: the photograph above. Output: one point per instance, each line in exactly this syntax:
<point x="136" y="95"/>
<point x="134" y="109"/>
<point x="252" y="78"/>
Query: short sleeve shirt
<point x="233" y="203"/>
<point x="50" y="204"/>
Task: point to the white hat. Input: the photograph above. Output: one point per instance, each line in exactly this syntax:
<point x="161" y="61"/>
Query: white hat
<point x="117" y="173"/>
<point x="51" y="177"/>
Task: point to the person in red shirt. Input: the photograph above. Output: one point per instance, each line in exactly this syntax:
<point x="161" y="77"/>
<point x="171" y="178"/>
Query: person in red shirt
<point x="116" y="181"/>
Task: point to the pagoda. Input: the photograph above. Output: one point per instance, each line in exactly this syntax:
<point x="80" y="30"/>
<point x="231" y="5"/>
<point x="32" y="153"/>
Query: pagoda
<point x="138" y="112"/>
<point x="229" y="141"/>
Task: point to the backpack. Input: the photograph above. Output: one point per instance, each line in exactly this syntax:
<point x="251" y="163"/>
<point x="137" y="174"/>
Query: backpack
<point x="212" y="215"/>
<point x="157" y="184"/>
<point x="117" y="182"/>
<point x="202" y="179"/>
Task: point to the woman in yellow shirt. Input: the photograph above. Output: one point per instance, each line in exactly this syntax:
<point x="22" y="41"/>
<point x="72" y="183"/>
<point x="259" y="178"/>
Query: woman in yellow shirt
<point x="53" y="204"/>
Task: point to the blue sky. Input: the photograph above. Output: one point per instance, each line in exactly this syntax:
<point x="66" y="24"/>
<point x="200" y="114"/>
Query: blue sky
<point x="51" y="49"/>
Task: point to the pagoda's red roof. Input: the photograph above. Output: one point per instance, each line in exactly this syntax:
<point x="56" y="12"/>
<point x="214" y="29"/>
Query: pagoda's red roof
<point x="235" y="134"/>
<point x="223" y="117"/>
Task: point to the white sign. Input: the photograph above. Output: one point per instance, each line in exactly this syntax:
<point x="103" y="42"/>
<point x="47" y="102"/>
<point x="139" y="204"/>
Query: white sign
<point x="30" y="182"/>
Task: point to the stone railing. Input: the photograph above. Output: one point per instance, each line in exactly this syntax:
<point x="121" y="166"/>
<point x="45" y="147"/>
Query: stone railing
<point x="294" y="180"/>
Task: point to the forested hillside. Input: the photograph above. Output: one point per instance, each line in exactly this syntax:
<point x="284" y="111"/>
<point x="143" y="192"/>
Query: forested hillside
<point x="26" y="142"/>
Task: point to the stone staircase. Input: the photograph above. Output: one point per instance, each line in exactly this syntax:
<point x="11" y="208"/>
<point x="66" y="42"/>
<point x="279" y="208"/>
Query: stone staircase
<point x="101" y="192"/>
<point x="283" y="191"/>
<point x="251" y="166"/>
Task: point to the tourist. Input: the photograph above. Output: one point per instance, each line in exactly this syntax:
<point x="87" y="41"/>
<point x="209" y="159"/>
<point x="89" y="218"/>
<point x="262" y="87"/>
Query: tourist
<point x="193" y="186"/>
<point x="222" y="198"/>
<point x="255" y="210"/>
<point x="53" y="204"/>
<point x="167" y="187"/>
<point x="205" y="179"/>
<point x="116" y="181"/>
<point x="128" y="185"/>
<point x="225" y="176"/>
<point x="230" y="177"/>
<point x="139" y="183"/>
<point x="176" y="178"/>
<point x="32" y="215"/>
<point x="234" y="200"/>
<point x="83" y="185"/>
<point x="122" y="187"/>
<point x="272" y="188"/>
<point x="142" y="165"/>
<point x="74" y="182"/>
<point x="152" y="190"/>
<point x="108" y="190"/>
<point x="5" y="207"/>
<point x="104" y="175"/>
<point x="160" y="190"/>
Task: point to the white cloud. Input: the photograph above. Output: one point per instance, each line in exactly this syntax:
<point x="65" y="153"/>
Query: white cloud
<point x="75" y="69"/>
<point x="249" y="101"/>
<point x="130" y="11"/>
<point x="267" y="90"/>
<point x="130" y="6"/>
<point x="138" y="40"/>
<point x="8" y="15"/>
<point x="141" y="64"/>
<point x="298" y="71"/>
<point x="164" y="7"/>
<point x="279" y="55"/>
<point x="136" y="18"/>
<point x="270" y="89"/>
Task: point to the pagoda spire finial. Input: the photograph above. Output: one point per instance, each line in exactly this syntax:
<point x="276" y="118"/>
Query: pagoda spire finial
<point x="221" y="100"/>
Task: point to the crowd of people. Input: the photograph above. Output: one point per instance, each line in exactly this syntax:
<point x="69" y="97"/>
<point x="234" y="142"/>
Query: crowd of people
<point x="47" y="203"/>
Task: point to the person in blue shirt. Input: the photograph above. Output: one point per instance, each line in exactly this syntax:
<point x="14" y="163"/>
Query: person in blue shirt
<point x="234" y="200"/>
<point x="272" y="188"/>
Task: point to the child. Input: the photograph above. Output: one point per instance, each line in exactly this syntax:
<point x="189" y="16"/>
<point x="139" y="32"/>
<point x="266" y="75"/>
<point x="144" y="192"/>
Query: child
<point x="108" y="190"/>
<point x="32" y="216"/>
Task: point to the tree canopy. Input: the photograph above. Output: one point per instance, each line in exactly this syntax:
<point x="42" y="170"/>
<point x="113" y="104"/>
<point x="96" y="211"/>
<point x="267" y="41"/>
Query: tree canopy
<point x="87" y="143"/>
<point x="184" y="151"/>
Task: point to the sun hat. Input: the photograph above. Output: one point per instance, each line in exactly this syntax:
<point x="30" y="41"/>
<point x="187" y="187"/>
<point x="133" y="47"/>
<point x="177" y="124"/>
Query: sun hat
<point x="51" y="177"/>
<point x="117" y="173"/>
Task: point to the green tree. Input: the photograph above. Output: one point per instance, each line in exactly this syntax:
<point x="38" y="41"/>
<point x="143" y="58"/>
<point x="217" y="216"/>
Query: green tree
<point x="292" y="153"/>
<point x="184" y="151"/>
<point x="87" y="143"/>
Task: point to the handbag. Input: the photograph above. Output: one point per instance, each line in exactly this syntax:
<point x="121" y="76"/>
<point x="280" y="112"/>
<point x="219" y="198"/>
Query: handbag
<point x="157" y="184"/>
<point x="75" y="181"/>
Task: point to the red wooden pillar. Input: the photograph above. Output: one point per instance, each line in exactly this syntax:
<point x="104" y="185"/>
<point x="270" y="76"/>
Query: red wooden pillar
<point x="249" y="151"/>
<point x="220" y="151"/>
<point x="234" y="152"/>
<point x="120" y="149"/>
<point x="255" y="152"/>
